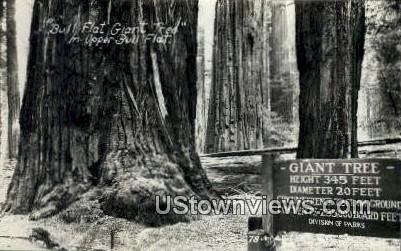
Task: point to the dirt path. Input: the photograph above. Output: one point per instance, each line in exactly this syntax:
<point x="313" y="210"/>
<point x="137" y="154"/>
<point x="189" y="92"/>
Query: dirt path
<point x="10" y="244"/>
<point x="14" y="230"/>
<point x="208" y="233"/>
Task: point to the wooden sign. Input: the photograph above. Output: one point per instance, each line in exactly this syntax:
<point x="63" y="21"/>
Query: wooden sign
<point x="360" y="196"/>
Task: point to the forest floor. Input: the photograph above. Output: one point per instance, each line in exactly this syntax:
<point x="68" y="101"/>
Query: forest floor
<point x="211" y="232"/>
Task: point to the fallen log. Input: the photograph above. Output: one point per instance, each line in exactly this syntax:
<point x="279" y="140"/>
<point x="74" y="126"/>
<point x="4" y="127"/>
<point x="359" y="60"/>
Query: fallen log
<point x="290" y="149"/>
<point x="234" y="174"/>
<point x="293" y="149"/>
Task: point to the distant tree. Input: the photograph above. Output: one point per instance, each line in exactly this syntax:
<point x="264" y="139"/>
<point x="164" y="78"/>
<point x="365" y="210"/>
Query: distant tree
<point x="388" y="55"/>
<point x="358" y="28"/>
<point x="379" y="116"/>
<point x="282" y="125"/>
<point x="284" y="79"/>
<point x="12" y="81"/>
<point x="201" y="106"/>
<point x="2" y="66"/>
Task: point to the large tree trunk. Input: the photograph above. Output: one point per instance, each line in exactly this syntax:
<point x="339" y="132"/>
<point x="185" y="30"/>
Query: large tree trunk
<point x="236" y="102"/>
<point x="119" y="117"/>
<point x="12" y="82"/>
<point x="358" y="42"/>
<point x="325" y="50"/>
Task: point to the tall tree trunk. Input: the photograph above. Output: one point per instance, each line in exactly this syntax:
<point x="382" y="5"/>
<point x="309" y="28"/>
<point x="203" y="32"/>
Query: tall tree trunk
<point x="117" y="117"/>
<point x="283" y="60"/>
<point x="2" y="66"/>
<point x="358" y="47"/>
<point x="12" y="82"/>
<point x="325" y="52"/>
<point x="201" y="102"/>
<point x="266" y="82"/>
<point x="236" y="102"/>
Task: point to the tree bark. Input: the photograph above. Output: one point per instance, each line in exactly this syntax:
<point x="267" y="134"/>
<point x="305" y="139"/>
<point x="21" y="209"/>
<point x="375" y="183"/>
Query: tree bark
<point x="283" y="60"/>
<point x="325" y="52"/>
<point x="235" y="119"/>
<point x="358" y="47"/>
<point x="201" y="107"/>
<point x="2" y="66"/>
<point x="385" y="89"/>
<point x="12" y="81"/>
<point x="117" y="117"/>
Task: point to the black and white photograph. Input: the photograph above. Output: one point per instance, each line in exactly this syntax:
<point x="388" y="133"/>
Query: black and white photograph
<point x="255" y="125"/>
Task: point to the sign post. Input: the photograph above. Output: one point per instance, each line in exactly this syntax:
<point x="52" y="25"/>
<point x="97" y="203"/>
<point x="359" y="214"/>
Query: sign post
<point x="334" y="196"/>
<point x="263" y="238"/>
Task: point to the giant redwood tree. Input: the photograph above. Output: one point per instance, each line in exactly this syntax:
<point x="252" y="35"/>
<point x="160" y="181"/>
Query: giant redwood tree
<point x="240" y="75"/>
<point x="117" y="117"/>
<point x="329" y="57"/>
